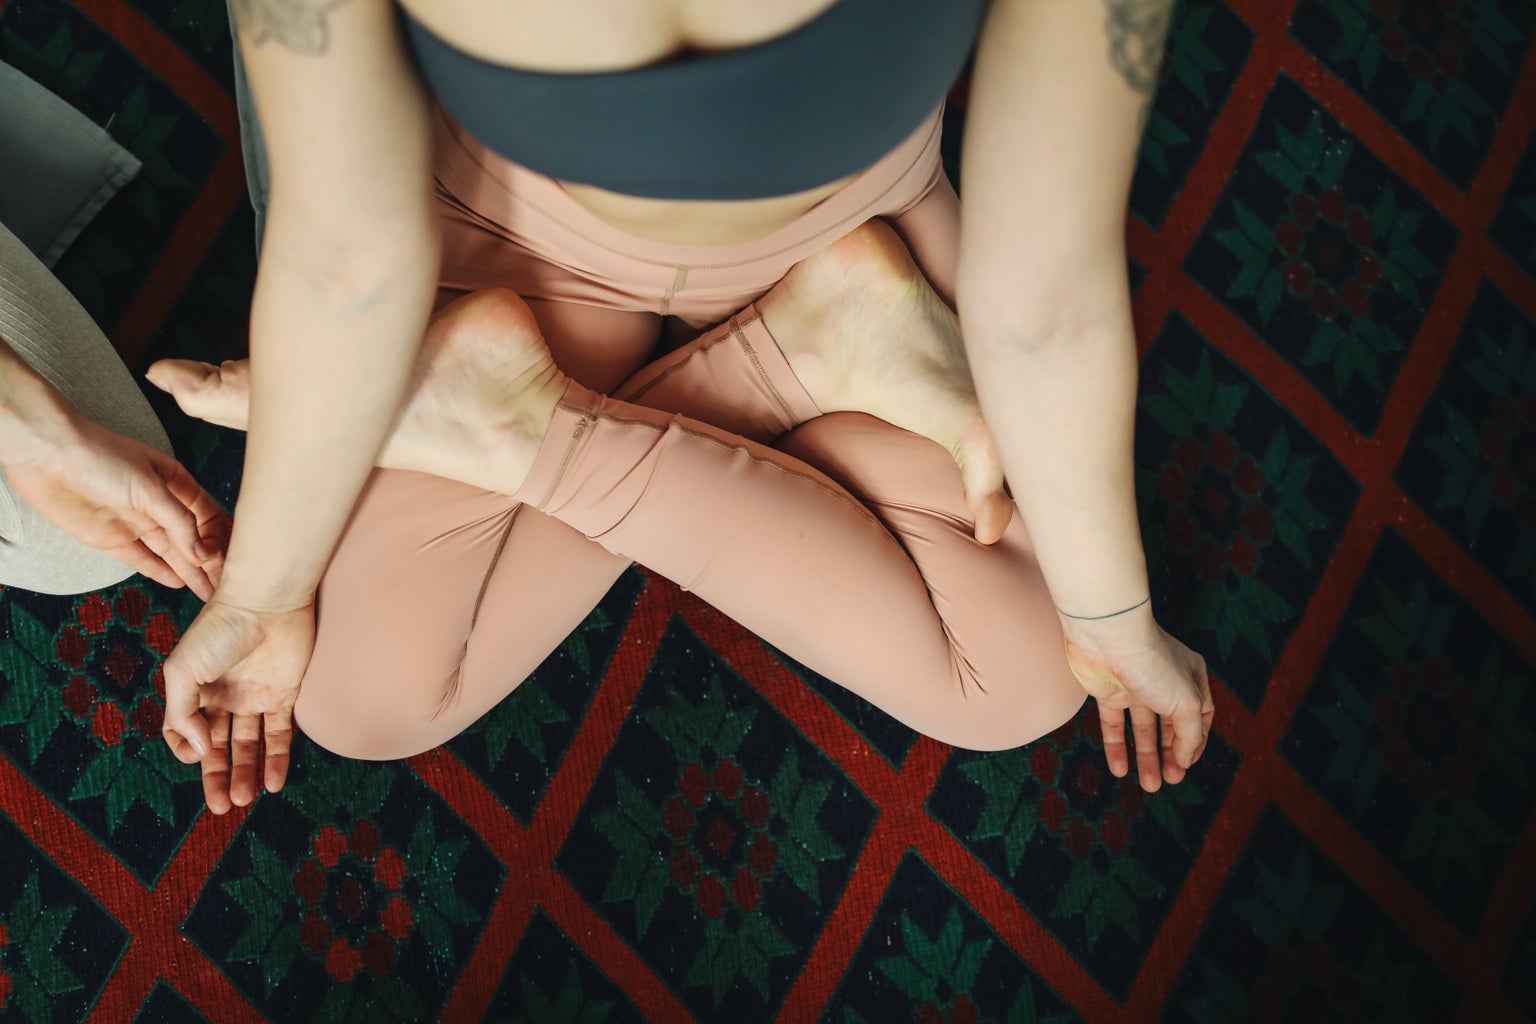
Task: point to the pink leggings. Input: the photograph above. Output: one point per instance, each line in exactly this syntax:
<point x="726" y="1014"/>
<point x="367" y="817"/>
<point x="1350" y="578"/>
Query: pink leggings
<point x="839" y="539"/>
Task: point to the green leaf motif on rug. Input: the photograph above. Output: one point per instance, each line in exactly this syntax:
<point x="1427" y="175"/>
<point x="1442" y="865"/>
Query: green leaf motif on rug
<point x="570" y="1006"/>
<point x="29" y="934"/>
<point x="31" y="697"/>
<point x="1450" y="104"/>
<point x="1008" y="810"/>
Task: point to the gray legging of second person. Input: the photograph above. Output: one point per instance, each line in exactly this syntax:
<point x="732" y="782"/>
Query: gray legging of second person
<point x="48" y="329"/>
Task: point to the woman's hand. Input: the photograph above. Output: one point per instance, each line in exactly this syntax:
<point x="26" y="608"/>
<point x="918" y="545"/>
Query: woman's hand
<point x="1128" y="663"/>
<point x="132" y="501"/>
<point x="230" y="686"/>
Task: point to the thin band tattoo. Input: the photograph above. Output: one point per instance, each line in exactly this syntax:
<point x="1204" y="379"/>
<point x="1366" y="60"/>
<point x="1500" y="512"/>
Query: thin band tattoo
<point x="298" y="25"/>
<point x="1095" y="618"/>
<point x="1136" y="29"/>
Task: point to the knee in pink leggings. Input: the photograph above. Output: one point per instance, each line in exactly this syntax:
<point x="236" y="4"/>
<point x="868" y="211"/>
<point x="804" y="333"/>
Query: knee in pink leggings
<point x="841" y="540"/>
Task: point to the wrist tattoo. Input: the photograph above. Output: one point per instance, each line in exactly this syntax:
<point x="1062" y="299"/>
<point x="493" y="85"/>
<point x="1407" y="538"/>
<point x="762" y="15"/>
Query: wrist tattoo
<point x="1136" y="29"/>
<point x="298" y="25"/>
<point x="1095" y="618"/>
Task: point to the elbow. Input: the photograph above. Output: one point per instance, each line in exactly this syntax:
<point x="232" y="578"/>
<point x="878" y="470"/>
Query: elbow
<point x="351" y="272"/>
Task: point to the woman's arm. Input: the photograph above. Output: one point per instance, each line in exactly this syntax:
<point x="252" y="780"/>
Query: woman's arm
<point x="1058" y="97"/>
<point x="343" y="292"/>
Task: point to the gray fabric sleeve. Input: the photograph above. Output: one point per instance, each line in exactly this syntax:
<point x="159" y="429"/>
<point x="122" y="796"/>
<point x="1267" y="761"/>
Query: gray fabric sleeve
<point x="252" y="147"/>
<point x="47" y="328"/>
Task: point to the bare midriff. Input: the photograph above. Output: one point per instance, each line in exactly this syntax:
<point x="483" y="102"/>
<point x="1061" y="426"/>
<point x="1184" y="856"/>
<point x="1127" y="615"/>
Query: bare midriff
<point x="615" y="35"/>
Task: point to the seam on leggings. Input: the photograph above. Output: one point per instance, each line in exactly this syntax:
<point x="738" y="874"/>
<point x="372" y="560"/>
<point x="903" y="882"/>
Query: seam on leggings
<point x="678" y="280"/>
<point x="937" y="122"/>
<point x="851" y="502"/>
<point x="474" y="615"/>
<point x="634" y="397"/>
<point x="570" y="451"/>
<point x="762" y="374"/>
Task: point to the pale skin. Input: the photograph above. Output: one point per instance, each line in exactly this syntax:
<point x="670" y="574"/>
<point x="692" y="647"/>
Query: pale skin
<point x="107" y="491"/>
<point x="348" y="269"/>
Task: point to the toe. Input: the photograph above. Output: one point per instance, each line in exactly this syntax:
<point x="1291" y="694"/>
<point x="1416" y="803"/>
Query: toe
<point x="214" y="393"/>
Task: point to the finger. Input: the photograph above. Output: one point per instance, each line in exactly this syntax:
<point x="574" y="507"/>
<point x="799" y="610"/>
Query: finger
<point x="278" y="729"/>
<point x="1173" y="774"/>
<point x="138" y="557"/>
<point x="1112" y="727"/>
<point x="245" y="745"/>
<point x="1190" y="725"/>
<point x="212" y="520"/>
<point x="216" y="764"/>
<point x="206" y="651"/>
<point x="1148" y="753"/>
<point x="183" y="572"/>
<point x="170" y="514"/>
<point x="184" y="729"/>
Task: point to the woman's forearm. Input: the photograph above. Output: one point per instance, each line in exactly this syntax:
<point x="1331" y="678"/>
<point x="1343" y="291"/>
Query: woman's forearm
<point x="1057" y="98"/>
<point x="1061" y="413"/>
<point x="331" y="353"/>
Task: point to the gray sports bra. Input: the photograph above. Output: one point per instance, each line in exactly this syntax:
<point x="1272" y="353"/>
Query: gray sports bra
<point x="816" y="104"/>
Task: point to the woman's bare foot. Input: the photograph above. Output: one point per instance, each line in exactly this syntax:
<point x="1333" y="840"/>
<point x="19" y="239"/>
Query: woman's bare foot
<point x="864" y="332"/>
<point x="478" y="406"/>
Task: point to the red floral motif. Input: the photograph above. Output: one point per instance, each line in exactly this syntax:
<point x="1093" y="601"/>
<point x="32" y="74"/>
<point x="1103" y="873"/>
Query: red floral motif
<point x="724" y="790"/>
<point x="711" y="896"/>
<point x="367" y="874"/>
<point x="147" y="717"/>
<point x="960" y="1011"/>
<point x="120" y="664"/>
<point x="727" y="779"/>
<point x="131" y="606"/>
<point x="378" y="954"/>
<point x="1196" y="496"/>
<point x="1432" y="741"/>
<point x="762" y="855"/>
<point x="79" y="696"/>
<point x="71" y="646"/>
<point x="342" y="961"/>
<point x="162" y="634"/>
<point x="329" y="845"/>
<point x="314" y="933"/>
<point x="309" y="882"/>
<point x="107" y="723"/>
<point x="364" y="842"/>
<point x="93" y="613"/>
<point x="1053" y="810"/>
<point x="1242" y="555"/>
<point x="745" y="891"/>
<point x="1044" y="762"/>
<point x="754" y="807"/>
<point x="685" y="867"/>
<point x="389" y="869"/>
<point x="695" y="784"/>
<point x="1311" y="238"/>
<point x="1508" y="440"/>
<point x="1426" y="36"/>
<point x="397" y="917"/>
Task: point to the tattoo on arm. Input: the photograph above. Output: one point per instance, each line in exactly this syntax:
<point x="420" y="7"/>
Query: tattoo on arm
<point x="298" y="25"/>
<point x="1136" y="29"/>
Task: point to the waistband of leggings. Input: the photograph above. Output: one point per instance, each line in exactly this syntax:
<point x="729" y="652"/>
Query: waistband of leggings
<point x="530" y="207"/>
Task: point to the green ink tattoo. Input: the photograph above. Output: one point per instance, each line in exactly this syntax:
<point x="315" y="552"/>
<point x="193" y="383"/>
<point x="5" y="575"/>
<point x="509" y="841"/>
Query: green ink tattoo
<point x="298" y="25"/>
<point x="1136" y="30"/>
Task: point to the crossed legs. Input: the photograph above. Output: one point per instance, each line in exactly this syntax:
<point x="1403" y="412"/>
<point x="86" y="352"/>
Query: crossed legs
<point x="848" y="543"/>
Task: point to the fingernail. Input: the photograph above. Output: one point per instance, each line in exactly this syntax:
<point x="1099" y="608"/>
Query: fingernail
<point x="151" y="378"/>
<point x="197" y="747"/>
<point x="200" y="550"/>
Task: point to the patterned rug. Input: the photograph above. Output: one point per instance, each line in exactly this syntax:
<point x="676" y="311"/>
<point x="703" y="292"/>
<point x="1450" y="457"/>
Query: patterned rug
<point x="1333" y="242"/>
